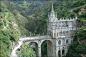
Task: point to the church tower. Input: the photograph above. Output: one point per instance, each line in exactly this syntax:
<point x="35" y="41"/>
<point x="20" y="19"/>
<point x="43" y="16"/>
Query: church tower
<point x="60" y="32"/>
<point x="52" y="16"/>
<point x="52" y="22"/>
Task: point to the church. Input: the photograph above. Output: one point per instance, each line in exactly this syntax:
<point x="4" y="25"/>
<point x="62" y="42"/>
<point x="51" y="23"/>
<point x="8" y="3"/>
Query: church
<point x="61" y="31"/>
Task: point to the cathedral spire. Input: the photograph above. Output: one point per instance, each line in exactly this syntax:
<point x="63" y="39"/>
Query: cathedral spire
<point x="52" y="7"/>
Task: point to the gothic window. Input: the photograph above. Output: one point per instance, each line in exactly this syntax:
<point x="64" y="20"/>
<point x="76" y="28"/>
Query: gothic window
<point x="59" y="42"/>
<point x="59" y="26"/>
<point x="67" y="25"/>
<point x="54" y="34"/>
<point x="63" y="32"/>
<point x="63" y="24"/>
<point x="60" y="32"/>
<point x="67" y="41"/>
<point x="63" y="52"/>
<point x="57" y="34"/>
<point x="70" y="32"/>
<point x="59" y="48"/>
<point x="66" y="32"/>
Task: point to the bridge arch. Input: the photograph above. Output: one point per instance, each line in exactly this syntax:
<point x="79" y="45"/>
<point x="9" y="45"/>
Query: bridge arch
<point x="34" y="45"/>
<point x="46" y="47"/>
<point x="47" y="40"/>
<point x="27" y="42"/>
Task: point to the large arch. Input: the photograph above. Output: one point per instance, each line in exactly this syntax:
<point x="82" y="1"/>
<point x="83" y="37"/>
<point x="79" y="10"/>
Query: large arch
<point x="63" y="52"/>
<point x="34" y="45"/>
<point x="34" y="48"/>
<point x="59" y="53"/>
<point x="46" y="47"/>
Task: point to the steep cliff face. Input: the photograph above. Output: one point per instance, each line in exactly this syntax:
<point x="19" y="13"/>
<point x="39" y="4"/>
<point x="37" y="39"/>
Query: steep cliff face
<point x="12" y="26"/>
<point x="11" y="16"/>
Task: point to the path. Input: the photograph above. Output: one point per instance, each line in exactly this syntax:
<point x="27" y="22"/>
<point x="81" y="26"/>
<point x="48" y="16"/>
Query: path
<point x="13" y="54"/>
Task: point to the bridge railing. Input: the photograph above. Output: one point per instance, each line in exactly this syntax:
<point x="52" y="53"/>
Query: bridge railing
<point x="36" y="37"/>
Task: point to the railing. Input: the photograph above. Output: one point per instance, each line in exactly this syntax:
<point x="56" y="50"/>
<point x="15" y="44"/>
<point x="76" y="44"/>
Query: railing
<point x="36" y="37"/>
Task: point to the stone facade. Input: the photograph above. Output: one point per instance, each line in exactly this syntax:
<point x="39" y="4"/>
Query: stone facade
<point x="61" y="31"/>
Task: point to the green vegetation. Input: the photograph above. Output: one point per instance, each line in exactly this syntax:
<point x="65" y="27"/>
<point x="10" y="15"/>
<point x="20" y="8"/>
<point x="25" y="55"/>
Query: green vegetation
<point x="39" y="15"/>
<point x="37" y="12"/>
<point x="44" y="49"/>
<point x="19" y="18"/>
<point x="27" y="51"/>
<point x="77" y="48"/>
<point x="9" y="29"/>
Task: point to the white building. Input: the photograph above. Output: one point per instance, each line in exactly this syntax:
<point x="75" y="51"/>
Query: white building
<point x="61" y="31"/>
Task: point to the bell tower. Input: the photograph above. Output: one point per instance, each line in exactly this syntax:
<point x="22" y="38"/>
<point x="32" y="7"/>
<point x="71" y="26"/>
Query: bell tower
<point x="52" y="22"/>
<point x="52" y="15"/>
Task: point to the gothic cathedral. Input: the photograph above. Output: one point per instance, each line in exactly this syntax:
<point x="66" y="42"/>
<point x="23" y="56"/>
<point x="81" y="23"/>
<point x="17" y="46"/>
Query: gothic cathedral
<point x="60" y="31"/>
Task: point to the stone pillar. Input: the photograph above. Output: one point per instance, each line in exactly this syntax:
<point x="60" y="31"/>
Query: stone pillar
<point x="65" y="41"/>
<point x="61" y="29"/>
<point x="65" y="51"/>
<point x="39" y="48"/>
<point x="39" y="51"/>
<point x="56" y="52"/>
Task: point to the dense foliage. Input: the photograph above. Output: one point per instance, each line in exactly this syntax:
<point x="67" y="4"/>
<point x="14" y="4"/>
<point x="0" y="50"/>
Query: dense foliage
<point x="27" y="51"/>
<point x="19" y="18"/>
<point x="44" y="49"/>
<point x="7" y="34"/>
<point x="77" y="48"/>
<point x="37" y="12"/>
<point x="9" y="28"/>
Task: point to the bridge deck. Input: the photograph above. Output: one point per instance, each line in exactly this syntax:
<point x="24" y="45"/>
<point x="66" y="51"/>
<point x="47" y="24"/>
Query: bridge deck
<point x="34" y="38"/>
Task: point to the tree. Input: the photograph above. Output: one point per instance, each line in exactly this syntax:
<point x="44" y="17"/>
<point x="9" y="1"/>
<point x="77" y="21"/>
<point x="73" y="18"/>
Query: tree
<point x="2" y="53"/>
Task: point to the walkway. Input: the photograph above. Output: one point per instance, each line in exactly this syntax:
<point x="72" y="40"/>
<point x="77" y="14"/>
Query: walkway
<point x="13" y="54"/>
<point x="34" y="38"/>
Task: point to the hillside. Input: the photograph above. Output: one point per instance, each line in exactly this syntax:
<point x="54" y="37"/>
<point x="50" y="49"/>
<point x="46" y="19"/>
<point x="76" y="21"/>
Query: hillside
<point x="78" y="47"/>
<point x="19" y="18"/>
<point x="37" y="12"/>
<point x="12" y="27"/>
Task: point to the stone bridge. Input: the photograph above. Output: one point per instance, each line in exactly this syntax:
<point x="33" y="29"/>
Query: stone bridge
<point x="55" y="46"/>
<point x="38" y="40"/>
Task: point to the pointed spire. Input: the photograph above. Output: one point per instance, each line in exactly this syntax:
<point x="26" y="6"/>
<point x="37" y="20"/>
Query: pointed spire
<point x="52" y="7"/>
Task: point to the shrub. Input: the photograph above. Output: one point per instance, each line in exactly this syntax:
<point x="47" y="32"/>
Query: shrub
<point x="2" y="53"/>
<point x="4" y="21"/>
<point x="1" y="23"/>
<point x="77" y="10"/>
<point x="14" y="37"/>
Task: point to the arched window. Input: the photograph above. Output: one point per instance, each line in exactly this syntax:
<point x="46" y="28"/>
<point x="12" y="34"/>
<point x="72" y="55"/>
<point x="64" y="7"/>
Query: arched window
<point x="67" y="41"/>
<point x="57" y="34"/>
<point x="54" y="34"/>
<point x="59" y="42"/>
